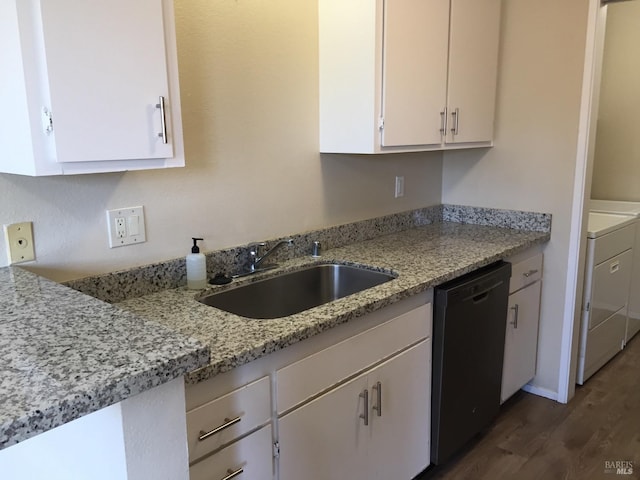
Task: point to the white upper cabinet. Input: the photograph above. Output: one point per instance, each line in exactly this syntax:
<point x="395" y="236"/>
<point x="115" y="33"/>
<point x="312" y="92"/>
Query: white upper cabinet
<point x="93" y="86"/>
<point x="414" y="77"/>
<point x="407" y="75"/>
<point x="473" y="69"/>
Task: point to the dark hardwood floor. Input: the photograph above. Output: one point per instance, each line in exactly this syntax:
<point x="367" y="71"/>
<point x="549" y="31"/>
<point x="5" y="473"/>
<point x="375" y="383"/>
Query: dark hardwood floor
<point x="535" y="438"/>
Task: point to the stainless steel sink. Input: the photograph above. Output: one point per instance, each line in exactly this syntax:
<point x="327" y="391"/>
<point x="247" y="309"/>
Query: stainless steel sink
<point x="297" y="291"/>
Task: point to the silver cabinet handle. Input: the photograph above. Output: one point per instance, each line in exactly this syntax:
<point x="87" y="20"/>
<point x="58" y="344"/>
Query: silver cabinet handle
<point x="365" y="414"/>
<point x="378" y="407"/>
<point x="443" y="121"/>
<point x="530" y="272"/>
<point x="163" y="119"/>
<point x="516" y="309"/>
<point x="233" y="474"/>
<point x="456" y="118"/>
<point x="228" y="422"/>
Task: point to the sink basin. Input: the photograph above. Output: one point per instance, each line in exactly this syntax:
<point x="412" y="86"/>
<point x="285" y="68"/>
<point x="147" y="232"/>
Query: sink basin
<point x="295" y="292"/>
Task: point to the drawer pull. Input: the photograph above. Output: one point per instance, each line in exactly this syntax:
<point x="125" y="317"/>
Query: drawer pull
<point x="228" y="422"/>
<point x="365" y="415"/>
<point x="378" y="408"/>
<point x="455" y="115"/>
<point x="163" y="120"/>
<point x="530" y="272"/>
<point x="614" y="267"/>
<point x="515" y="309"/>
<point x="233" y="474"/>
<point x="443" y="121"/>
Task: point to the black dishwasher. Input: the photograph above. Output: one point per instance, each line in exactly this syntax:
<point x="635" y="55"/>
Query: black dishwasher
<point x="468" y="348"/>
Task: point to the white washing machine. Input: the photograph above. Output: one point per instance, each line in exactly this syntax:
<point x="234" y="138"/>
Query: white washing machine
<point x="631" y="209"/>
<point x="609" y="262"/>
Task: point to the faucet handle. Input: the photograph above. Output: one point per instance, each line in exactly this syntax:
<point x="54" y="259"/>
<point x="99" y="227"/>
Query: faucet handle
<point x="254" y="248"/>
<point x="315" y="251"/>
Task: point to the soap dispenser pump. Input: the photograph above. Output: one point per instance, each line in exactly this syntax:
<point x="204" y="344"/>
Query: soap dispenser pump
<point x="196" y="268"/>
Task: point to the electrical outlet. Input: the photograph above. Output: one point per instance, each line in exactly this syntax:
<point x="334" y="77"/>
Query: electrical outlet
<point x="121" y="229"/>
<point x="399" y="187"/>
<point x="20" y="246"/>
<point x="126" y="226"/>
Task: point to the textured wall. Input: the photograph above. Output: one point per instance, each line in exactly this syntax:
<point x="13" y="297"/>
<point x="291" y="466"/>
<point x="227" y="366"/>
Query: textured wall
<point x="249" y="84"/>
<point x="531" y="166"/>
<point x="616" y="169"/>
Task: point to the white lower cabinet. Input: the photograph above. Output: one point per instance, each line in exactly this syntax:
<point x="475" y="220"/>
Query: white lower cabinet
<point x="375" y="426"/>
<point x="353" y="402"/>
<point x="361" y="408"/>
<point x="523" y="317"/>
<point x="400" y="418"/>
<point x="250" y="458"/>
<point x="326" y="438"/>
<point x="521" y="340"/>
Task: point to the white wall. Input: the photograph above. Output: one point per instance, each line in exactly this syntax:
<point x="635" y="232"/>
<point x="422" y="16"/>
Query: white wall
<point x="249" y="84"/>
<point x="616" y="169"/>
<point x="532" y="165"/>
<point x="143" y="437"/>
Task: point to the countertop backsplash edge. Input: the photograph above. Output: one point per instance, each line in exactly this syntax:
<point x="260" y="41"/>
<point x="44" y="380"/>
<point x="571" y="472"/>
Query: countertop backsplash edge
<point x="138" y="281"/>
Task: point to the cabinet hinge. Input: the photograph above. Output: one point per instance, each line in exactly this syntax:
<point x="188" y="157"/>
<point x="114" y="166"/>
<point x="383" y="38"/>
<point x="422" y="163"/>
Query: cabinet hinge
<point x="381" y="123"/>
<point x="276" y="450"/>
<point x="47" y="121"/>
<point x="587" y="307"/>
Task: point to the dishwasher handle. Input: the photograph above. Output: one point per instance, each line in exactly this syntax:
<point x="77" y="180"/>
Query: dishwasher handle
<point x="479" y="297"/>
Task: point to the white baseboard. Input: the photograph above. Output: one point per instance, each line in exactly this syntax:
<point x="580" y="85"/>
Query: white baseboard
<point x="541" y="392"/>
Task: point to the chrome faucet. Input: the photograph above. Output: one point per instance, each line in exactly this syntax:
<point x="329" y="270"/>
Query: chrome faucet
<point x="254" y="253"/>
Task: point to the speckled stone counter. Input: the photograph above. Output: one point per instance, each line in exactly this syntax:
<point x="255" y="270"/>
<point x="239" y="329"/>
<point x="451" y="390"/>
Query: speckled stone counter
<point x="422" y="257"/>
<point x="65" y="354"/>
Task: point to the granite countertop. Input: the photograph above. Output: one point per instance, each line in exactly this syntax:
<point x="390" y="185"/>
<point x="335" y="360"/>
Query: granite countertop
<point x="65" y="354"/>
<point x="422" y="257"/>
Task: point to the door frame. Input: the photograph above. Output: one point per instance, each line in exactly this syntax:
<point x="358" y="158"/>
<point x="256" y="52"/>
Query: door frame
<point x="594" y="47"/>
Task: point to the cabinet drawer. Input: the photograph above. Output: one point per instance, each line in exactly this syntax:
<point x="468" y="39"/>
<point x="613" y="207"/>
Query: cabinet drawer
<point x="310" y="376"/>
<point x="253" y="455"/>
<point x="612" y="243"/>
<point x="244" y="409"/>
<point x="525" y="272"/>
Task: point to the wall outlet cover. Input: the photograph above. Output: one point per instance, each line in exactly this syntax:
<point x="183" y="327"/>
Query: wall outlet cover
<point x="126" y="226"/>
<point x="20" y="245"/>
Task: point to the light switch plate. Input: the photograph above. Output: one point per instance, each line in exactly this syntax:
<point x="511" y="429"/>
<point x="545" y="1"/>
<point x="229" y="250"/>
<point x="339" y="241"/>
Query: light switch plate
<point x="19" y="239"/>
<point x="399" y="187"/>
<point x="126" y="226"/>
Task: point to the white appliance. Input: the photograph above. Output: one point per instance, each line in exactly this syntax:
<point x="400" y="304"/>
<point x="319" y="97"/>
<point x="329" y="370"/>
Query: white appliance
<point x="631" y="209"/>
<point x="609" y="261"/>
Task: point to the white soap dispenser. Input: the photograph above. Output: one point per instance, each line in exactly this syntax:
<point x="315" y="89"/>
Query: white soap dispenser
<point x="196" y="268"/>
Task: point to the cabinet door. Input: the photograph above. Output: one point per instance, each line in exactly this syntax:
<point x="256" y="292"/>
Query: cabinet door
<point x="414" y="71"/>
<point x="473" y="67"/>
<point x="326" y="438"/>
<point x="521" y="340"/>
<point x="252" y="456"/>
<point x="400" y="399"/>
<point x="107" y="67"/>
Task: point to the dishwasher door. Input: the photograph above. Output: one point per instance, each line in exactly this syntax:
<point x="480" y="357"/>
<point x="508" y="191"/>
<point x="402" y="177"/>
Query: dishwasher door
<point x="468" y="348"/>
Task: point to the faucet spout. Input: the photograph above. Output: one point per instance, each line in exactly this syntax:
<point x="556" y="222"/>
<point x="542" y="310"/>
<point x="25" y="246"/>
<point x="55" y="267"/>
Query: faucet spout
<point x="255" y="259"/>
